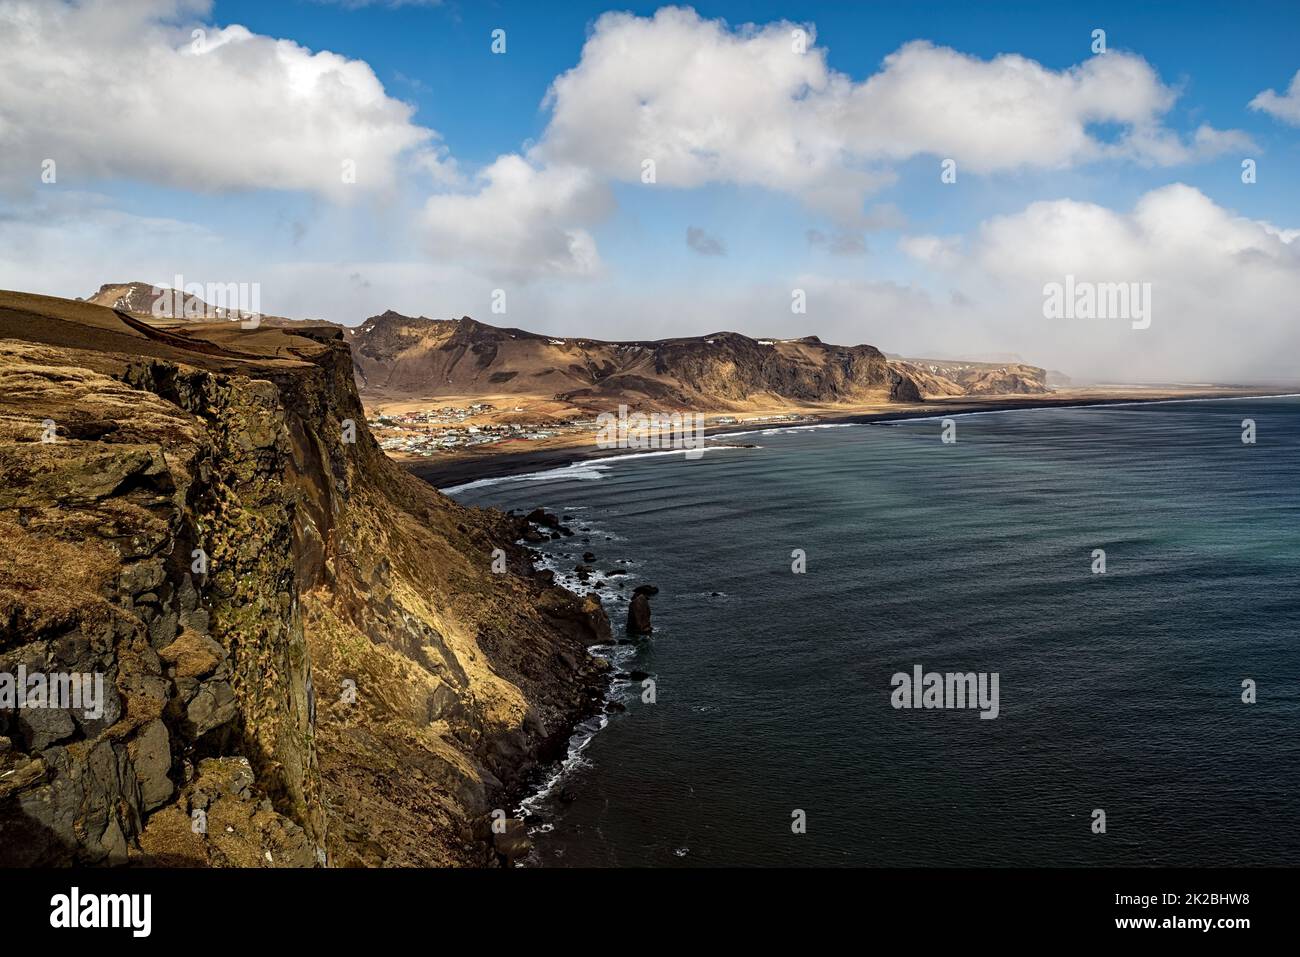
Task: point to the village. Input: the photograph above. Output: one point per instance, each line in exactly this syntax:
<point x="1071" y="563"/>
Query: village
<point x="428" y="432"/>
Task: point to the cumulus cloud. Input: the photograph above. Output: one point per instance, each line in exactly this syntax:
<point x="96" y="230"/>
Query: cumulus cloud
<point x="705" y="104"/>
<point x="144" y="90"/>
<point x="1223" y="287"/>
<point x="1284" y="106"/>
<point x="703" y="243"/>
<point x="754" y="106"/>
<point x="523" y="221"/>
<point x="1011" y="112"/>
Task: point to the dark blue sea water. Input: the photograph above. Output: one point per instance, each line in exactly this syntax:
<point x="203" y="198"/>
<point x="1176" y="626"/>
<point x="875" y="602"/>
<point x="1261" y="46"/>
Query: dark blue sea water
<point x="1119" y="691"/>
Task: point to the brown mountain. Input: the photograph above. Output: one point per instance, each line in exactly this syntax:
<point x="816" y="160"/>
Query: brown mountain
<point x="343" y="677"/>
<point x="159" y="302"/>
<point x="398" y="356"/>
<point x="937" y="378"/>
<point x="404" y="355"/>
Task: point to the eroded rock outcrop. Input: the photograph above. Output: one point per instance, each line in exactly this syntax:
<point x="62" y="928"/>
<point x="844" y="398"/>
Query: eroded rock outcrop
<point x="638" y="610"/>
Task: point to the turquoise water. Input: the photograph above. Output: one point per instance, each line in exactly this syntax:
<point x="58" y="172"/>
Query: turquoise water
<point x="1119" y="691"/>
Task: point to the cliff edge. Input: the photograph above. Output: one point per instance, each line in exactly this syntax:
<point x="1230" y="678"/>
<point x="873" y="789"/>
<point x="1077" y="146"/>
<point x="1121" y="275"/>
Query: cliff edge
<point x="305" y="654"/>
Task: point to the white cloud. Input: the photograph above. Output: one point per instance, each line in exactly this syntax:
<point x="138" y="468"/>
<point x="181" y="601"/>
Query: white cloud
<point x="1223" y="287"/>
<point x="126" y="90"/>
<point x="1285" y="106"/>
<point x="706" y="104"/>
<point x="711" y="104"/>
<point x="523" y="221"/>
<point x="1011" y="112"/>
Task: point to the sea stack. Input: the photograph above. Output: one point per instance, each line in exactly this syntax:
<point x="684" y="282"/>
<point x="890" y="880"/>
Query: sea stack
<point x="638" y="612"/>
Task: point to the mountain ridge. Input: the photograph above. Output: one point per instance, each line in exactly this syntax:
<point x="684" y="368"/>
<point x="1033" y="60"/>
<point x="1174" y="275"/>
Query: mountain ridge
<point x="399" y="357"/>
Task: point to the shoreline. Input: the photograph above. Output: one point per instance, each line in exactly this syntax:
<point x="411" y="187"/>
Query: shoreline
<point x="528" y="799"/>
<point x="444" y="475"/>
<point x="531" y="800"/>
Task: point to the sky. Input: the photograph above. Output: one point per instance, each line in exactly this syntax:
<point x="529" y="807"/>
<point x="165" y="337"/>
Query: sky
<point x="910" y="175"/>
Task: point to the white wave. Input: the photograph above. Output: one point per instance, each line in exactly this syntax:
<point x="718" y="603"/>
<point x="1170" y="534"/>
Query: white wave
<point x="582" y="737"/>
<point x="584" y="470"/>
<point x="774" y="429"/>
<point x="577" y="471"/>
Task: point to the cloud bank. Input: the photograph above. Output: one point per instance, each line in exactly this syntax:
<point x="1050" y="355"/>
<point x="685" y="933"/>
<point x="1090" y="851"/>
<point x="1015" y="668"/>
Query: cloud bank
<point x="142" y="90"/>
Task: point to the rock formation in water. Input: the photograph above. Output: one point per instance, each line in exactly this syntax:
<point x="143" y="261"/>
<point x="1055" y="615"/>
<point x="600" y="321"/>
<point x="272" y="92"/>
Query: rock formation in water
<point x="638" y="610"/>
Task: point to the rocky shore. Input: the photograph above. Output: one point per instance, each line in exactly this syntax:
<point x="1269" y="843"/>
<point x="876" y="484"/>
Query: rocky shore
<point x="309" y="656"/>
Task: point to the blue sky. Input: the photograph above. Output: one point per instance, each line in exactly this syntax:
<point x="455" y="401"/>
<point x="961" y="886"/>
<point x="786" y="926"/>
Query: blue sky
<point x="475" y="183"/>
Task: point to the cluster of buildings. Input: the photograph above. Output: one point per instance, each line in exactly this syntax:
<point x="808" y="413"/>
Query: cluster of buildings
<point x="447" y="414"/>
<point x="429" y="443"/>
<point x="733" y="420"/>
<point x="430" y="431"/>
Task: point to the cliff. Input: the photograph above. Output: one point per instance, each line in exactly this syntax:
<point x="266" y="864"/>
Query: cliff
<point x="306" y="656"/>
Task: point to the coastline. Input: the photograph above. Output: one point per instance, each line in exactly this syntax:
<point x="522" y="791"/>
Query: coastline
<point x="452" y="472"/>
<point x="580" y="798"/>
<point x="555" y="760"/>
<point x="531" y="800"/>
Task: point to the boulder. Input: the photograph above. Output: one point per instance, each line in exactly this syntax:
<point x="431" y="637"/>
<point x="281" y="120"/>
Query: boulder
<point x="542" y="517"/>
<point x="638" y="614"/>
<point x="513" y="843"/>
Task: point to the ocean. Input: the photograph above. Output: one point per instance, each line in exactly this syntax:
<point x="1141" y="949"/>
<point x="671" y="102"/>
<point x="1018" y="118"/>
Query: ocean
<point x="773" y="737"/>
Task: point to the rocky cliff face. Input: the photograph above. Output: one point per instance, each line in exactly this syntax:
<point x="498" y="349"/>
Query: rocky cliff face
<point x="306" y="656"/>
